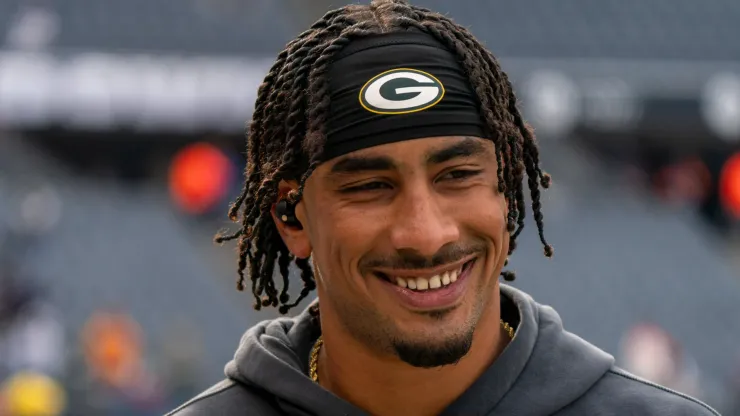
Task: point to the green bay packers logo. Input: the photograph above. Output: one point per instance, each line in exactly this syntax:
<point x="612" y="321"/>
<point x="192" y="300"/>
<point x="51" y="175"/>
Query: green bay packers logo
<point x="401" y="91"/>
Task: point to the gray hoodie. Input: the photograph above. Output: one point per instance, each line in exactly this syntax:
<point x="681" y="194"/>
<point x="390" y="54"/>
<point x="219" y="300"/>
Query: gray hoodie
<point x="545" y="370"/>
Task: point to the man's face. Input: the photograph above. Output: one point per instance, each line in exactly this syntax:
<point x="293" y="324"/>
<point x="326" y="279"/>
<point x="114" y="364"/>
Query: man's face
<point x="409" y="239"/>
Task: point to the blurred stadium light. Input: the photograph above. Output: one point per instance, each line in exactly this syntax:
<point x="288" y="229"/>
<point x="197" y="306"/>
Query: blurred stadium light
<point x="200" y="178"/>
<point x="553" y="103"/>
<point x="721" y="106"/>
<point x="729" y="185"/>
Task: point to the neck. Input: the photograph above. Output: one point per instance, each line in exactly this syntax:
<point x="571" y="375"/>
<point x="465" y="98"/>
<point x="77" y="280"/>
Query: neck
<point x="388" y="386"/>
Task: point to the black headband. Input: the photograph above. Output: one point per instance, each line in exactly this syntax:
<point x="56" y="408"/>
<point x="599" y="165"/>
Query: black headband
<point x="395" y="87"/>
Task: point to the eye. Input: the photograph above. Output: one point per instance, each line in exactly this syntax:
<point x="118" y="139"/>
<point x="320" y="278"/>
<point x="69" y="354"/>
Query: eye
<point x="459" y="174"/>
<point x="369" y="186"/>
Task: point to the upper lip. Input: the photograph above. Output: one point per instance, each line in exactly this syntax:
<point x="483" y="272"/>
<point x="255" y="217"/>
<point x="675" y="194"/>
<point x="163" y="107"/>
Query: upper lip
<point x="424" y="273"/>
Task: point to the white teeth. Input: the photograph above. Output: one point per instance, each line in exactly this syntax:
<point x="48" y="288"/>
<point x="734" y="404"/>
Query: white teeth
<point x="435" y="282"/>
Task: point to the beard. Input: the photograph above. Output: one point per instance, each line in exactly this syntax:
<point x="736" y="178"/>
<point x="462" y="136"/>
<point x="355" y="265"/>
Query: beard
<point x="444" y="352"/>
<point x="445" y="345"/>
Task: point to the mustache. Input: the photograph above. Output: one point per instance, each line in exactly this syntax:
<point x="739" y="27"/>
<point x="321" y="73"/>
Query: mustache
<point x="409" y="259"/>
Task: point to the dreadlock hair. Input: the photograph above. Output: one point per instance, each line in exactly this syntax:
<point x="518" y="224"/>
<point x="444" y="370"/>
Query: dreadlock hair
<point x="287" y="131"/>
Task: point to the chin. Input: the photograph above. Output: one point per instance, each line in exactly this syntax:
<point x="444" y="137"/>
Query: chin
<point x="434" y="349"/>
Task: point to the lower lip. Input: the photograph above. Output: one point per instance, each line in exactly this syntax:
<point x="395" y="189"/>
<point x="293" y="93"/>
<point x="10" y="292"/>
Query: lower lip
<point x="443" y="297"/>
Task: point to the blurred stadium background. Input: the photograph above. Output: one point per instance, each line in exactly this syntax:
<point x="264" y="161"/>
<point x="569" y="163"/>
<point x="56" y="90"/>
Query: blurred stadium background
<point x="121" y="144"/>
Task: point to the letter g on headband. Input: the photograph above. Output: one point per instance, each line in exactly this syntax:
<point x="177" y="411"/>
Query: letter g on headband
<point x="401" y="91"/>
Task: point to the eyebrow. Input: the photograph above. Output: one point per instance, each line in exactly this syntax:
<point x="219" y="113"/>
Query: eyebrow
<point x="356" y="164"/>
<point x="465" y="148"/>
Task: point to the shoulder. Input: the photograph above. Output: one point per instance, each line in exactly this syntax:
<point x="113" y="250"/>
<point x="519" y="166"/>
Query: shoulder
<point x="227" y="398"/>
<point x="626" y="394"/>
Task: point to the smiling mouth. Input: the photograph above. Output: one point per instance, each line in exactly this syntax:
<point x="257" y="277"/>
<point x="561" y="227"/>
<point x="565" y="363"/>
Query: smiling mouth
<point x="422" y="284"/>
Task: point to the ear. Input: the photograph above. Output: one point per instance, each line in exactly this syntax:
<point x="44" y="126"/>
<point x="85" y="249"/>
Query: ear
<point x="295" y="238"/>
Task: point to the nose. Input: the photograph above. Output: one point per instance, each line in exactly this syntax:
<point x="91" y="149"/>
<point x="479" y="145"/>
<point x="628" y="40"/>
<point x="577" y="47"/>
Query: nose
<point x="422" y="224"/>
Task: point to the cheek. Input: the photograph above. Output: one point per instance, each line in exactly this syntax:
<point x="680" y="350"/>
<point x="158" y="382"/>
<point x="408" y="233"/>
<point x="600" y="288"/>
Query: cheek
<point x="340" y="239"/>
<point x="486" y="214"/>
<point x="355" y="226"/>
<point x="488" y="222"/>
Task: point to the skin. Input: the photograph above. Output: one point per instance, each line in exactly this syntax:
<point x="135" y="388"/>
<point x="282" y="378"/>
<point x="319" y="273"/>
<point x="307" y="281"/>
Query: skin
<point x="416" y="206"/>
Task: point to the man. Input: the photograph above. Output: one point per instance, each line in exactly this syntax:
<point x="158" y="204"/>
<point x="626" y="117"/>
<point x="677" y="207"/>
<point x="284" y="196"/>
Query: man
<point x="386" y="159"/>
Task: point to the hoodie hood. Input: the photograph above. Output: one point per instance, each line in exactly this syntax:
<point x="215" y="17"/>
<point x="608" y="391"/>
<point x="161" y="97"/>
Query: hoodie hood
<point x="542" y="370"/>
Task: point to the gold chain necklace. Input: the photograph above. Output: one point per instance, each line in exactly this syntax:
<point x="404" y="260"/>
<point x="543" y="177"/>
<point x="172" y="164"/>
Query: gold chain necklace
<point x="314" y="362"/>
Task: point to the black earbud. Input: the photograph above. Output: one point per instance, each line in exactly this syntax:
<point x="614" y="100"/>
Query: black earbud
<point x="285" y="211"/>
